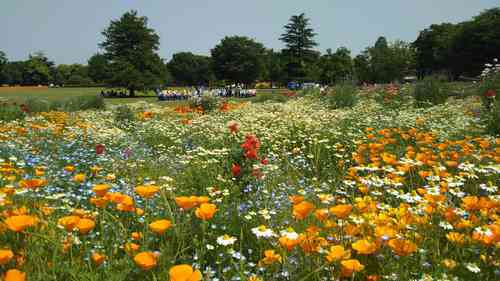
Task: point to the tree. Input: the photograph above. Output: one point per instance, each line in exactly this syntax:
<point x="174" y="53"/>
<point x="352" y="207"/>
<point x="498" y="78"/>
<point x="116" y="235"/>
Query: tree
<point x="477" y="42"/>
<point x="130" y="47"/>
<point x="190" y="69"/>
<point x="38" y="69"/>
<point x="336" y="66"/>
<point x="238" y="59"/>
<point x="98" y="68"/>
<point x="299" y="41"/>
<point x="3" y="63"/>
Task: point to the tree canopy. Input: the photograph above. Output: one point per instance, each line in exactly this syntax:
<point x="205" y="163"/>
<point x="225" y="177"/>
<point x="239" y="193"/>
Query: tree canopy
<point x="238" y="59"/>
<point x="190" y="69"/>
<point x="130" y="47"/>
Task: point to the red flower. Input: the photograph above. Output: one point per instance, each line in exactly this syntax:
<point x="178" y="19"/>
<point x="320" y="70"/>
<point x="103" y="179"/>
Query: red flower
<point x="24" y="108"/>
<point x="264" y="161"/>
<point x="490" y="93"/>
<point x="235" y="170"/>
<point x="99" y="149"/>
<point x="233" y="127"/>
<point x="251" y="154"/>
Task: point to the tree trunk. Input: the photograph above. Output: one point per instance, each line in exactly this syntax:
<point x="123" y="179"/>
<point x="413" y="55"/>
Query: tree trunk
<point x="131" y="92"/>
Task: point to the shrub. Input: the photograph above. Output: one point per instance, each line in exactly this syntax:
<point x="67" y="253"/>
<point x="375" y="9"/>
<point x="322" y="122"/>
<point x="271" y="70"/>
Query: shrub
<point x="274" y="97"/>
<point x="207" y="102"/>
<point x="35" y="105"/>
<point x="84" y="103"/>
<point x="343" y="95"/>
<point x="430" y="91"/>
<point x="494" y="119"/>
<point x="490" y="83"/>
<point x="123" y="113"/>
<point x="11" y="112"/>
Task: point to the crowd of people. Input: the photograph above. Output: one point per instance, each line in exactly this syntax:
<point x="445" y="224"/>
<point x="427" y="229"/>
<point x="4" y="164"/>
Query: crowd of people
<point x="184" y="94"/>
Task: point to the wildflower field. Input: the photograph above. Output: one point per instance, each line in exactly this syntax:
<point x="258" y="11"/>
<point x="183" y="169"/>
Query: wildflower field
<point x="293" y="190"/>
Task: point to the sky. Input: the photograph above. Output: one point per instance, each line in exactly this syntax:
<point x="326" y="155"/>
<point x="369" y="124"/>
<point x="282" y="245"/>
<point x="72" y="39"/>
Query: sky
<point x="68" y="31"/>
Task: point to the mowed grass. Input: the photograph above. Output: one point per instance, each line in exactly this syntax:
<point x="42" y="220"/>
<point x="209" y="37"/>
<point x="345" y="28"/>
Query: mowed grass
<point x="20" y="94"/>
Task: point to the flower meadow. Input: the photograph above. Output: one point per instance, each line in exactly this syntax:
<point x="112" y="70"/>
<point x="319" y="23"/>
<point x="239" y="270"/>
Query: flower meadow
<point x="252" y="191"/>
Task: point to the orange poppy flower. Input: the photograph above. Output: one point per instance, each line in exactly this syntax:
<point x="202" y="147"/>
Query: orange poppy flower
<point x="85" y="225"/>
<point x="5" y="256"/>
<point x="98" y="259"/>
<point x="302" y="210"/>
<point x="145" y="260"/>
<point x="184" y="272"/>
<point x="147" y="191"/>
<point x="364" y="247"/>
<point x="351" y="266"/>
<point x="296" y="199"/>
<point x="79" y="178"/>
<point x="14" y="275"/>
<point x="402" y="247"/>
<point x="69" y="222"/>
<point x="100" y="189"/>
<point x="131" y="248"/>
<point x="337" y="253"/>
<point x="160" y="226"/>
<point x="32" y="183"/>
<point x="270" y="257"/>
<point x="206" y="211"/>
<point x="341" y="211"/>
<point x="20" y="223"/>
<point x="186" y="202"/>
<point x="288" y="243"/>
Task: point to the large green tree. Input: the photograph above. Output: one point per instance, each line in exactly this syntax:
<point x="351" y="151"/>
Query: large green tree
<point x="39" y="69"/>
<point x="131" y="48"/>
<point x="238" y="59"/>
<point x="190" y="69"/>
<point x="299" y="41"/>
<point x="336" y="66"/>
<point x="99" y="70"/>
<point x="3" y="63"/>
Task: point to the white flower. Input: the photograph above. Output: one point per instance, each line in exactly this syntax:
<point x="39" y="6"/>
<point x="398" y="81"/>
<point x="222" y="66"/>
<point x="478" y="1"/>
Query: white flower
<point x="290" y="234"/>
<point x="472" y="267"/>
<point x="226" y="240"/>
<point x="263" y="231"/>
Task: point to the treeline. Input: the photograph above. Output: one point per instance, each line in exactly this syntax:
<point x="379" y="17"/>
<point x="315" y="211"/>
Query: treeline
<point x="451" y="49"/>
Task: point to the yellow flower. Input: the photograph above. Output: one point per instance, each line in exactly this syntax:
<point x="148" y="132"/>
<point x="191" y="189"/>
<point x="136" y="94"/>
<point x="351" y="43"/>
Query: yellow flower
<point x="402" y="247"/>
<point x="364" y="247"/>
<point x="100" y="189"/>
<point x="270" y="257"/>
<point x="337" y="253"/>
<point x="79" y="178"/>
<point x="351" y="266"/>
<point x="455" y="237"/>
<point x="449" y="263"/>
<point x="184" y="272"/>
<point x="341" y="211"/>
<point x="160" y="226"/>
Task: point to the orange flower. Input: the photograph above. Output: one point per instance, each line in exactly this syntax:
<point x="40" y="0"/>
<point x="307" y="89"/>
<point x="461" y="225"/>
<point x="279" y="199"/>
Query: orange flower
<point x="147" y="191"/>
<point x="5" y="256"/>
<point x="351" y="266"/>
<point x="136" y="235"/>
<point x="206" y="211"/>
<point x="296" y="199"/>
<point x="131" y="248"/>
<point x="364" y="247"/>
<point x="69" y="222"/>
<point x="20" y="223"/>
<point x="402" y="247"/>
<point x="100" y="189"/>
<point x="337" y="253"/>
<point x="456" y="237"/>
<point x="302" y="210"/>
<point x="321" y="214"/>
<point x="85" y="225"/>
<point x="145" y="260"/>
<point x="160" y="226"/>
<point x="184" y="272"/>
<point x="69" y="168"/>
<point x="470" y="203"/>
<point x="270" y="257"/>
<point x="32" y="183"/>
<point x="288" y="242"/>
<point x="14" y="275"/>
<point x="341" y="211"/>
<point x="385" y="232"/>
<point x="98" y="259"/>
<point x="186" y="202"/>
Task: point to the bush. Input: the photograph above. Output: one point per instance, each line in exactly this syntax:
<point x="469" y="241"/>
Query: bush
<point x="343" y="95"/>
<point x="35" y="105"/>
<point x="123" y="113"/>
<point x="11" y="112"/>
<point x="84" y="103"/>
<point x="206" y="102"/>
<point x="494" y="119"/>
<point x="430" y="91"/>
<point x="490" y="83"/>
<point x="274" y="97"/>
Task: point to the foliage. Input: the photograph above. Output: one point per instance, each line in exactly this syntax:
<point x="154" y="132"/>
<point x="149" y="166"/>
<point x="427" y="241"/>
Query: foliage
<point x="273" y="97"/>
<point x="238" y="59"/>
<point x="3" y="63"/>
<point x="98" y="68"/>
<point x="189" y="69"/>
<point x="10" y="112"/>
<point x="430" y="91"/>
<point x="385" y="62"/>
<point x="207" y="103"/>
<point x="130" y="47"/>
<point x="123" y="114"/>
<point x="336" y="67"/>
<point x="343" y="95"/>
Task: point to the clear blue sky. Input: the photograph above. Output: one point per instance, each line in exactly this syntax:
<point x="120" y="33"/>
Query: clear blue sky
<point x="68" y="31"/>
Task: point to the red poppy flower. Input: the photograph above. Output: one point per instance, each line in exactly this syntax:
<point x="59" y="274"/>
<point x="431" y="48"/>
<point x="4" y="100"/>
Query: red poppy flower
<point x="99" y="149"/>
<point x="235" y="170"/>
<point x="490" y="93"/>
